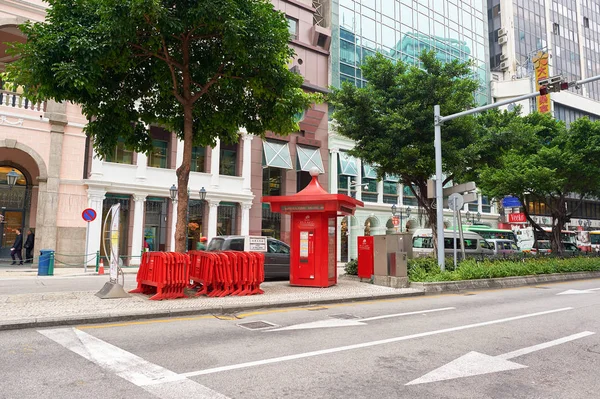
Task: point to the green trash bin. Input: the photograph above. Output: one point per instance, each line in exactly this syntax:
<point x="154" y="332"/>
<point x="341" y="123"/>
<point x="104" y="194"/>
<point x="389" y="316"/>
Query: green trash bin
<point x="45" y="266"/>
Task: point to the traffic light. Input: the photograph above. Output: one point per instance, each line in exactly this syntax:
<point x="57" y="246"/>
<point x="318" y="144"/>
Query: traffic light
<point x="552" y="85"/>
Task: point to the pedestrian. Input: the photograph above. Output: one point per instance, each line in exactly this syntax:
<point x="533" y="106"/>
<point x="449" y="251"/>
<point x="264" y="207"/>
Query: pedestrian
<point x="16" y="248"/>
<point x="29" y="246"/>
<point x="201" y="244"/>
<point x="146" y="246"/>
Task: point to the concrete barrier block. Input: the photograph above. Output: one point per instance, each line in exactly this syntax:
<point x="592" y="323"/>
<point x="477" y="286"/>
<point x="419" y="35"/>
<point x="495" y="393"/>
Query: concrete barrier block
<point x="381" y="280"/>
<point x="398" y="282"/>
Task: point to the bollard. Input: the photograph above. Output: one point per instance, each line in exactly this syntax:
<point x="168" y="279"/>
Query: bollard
<point x="97" y="261"/>
<point x="51" y="265"/>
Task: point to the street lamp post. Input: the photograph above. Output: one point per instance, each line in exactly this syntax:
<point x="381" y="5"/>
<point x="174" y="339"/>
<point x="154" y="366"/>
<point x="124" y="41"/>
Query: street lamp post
<point x="468" y="215"/>
<point x="173" y="194"/>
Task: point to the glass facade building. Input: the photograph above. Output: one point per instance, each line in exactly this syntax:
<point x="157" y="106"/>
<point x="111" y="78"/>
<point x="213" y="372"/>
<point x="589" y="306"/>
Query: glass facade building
<point x="402" y="29"/>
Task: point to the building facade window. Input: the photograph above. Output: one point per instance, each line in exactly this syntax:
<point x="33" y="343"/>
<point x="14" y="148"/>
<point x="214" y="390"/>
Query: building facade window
<point x="198" y="159"/>
<point x="272" y="185"/>
<point x="228" y="160"/>
<point x="293" y="28"/>
<point x="195" y="223"/>
<point x="408" y="198"/>
<point x="120" y="154"/>
<point x="390" y="192"/>
<point x="227" y="219"/>
<point x="155" y="226"/>
<point x="159" y="156"/>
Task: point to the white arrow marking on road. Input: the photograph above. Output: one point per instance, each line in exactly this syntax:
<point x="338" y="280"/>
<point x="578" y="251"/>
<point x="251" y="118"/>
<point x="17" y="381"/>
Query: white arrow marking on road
<point x="475" y="363"/>
<point x="351" y="322"/>
<point x="574" y="292"/>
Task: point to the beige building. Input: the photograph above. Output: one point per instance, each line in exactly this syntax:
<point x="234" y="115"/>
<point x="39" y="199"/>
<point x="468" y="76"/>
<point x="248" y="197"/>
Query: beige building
<point x="60" y="175"/>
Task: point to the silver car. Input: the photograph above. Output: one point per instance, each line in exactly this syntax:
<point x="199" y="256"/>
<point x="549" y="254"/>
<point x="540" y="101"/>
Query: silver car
<point x="503" y="247"/>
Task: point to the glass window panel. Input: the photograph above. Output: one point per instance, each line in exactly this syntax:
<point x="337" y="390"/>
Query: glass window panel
<point x="309" y="157"/>
<point x="277" y="155"/>
<point x="228" y="161"/>
<point x="198" y="157"/>
<point x="159" y="155"/>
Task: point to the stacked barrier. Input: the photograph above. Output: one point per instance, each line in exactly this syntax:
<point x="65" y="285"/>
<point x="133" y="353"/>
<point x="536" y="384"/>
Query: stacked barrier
<point x="164" y="274"/>
<point x="218" y="274"/>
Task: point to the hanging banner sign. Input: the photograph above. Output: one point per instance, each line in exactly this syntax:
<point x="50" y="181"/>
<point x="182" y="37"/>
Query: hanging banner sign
<point x="517" y="218"/>
<point x="540" y="65"/>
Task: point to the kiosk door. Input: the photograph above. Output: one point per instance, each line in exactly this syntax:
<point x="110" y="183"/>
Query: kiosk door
<point x="306" y="267"/>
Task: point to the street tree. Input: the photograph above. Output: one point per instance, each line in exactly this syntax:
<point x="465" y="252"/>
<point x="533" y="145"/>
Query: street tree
<point x="203" y="69"/>
<point x="551" y="165"/>
<point x="391" y="119"/>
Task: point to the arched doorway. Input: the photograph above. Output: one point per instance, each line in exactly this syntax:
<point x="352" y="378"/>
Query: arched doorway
<point x="14" y="208"/>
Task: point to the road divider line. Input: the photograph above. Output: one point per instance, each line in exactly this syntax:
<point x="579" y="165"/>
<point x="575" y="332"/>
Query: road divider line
<point x="153" y="378"/>
<point x="387" y="316"/>
<point x="366" y="344"/>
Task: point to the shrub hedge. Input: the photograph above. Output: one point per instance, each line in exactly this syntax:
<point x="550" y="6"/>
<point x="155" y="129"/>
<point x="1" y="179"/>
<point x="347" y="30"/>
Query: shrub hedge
<point x="427" y="270"/>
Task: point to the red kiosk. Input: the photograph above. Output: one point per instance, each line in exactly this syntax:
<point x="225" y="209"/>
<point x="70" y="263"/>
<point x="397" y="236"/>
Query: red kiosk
<point x="313" y="260"/>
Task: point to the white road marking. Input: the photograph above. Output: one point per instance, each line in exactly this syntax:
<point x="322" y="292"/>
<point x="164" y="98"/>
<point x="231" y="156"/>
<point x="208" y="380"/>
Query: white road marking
<point x="575" y="292"/>
<point x="154" y="379"/>
<point x="475" y="363"/>
<point x="350" y="322"/>
<point x="524" y="351"/>
<point x="366" y="344"/>
<point x="387" y="316"/>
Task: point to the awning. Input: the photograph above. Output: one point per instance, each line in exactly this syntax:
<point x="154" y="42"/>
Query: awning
<point x="277" y="155"/>
<point x="392" y="178"/>
<point x="309" y="157"/>
<point x="347" y="165"/>
<point x="369" y="171"/>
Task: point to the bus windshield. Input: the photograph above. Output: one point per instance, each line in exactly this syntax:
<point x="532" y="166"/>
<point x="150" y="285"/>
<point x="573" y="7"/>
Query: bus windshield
<point x="595" y="238"/>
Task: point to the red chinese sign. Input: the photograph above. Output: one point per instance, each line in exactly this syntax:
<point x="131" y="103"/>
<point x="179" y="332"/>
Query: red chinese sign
<point x="540" y="64"/>
<point x="517" y="218"/>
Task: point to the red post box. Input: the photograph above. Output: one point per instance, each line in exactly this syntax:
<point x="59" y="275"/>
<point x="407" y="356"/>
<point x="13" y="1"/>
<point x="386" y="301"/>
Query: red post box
<point x="366" y="253"/>
<point x="313" y="260"/>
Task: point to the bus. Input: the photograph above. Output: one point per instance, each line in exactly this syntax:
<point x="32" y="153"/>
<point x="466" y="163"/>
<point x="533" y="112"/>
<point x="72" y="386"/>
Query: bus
<point x="595" y="240"/>
<point x="491" y="233"/>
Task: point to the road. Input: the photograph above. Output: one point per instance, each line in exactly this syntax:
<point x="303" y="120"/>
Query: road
<point x="528" y="342"/>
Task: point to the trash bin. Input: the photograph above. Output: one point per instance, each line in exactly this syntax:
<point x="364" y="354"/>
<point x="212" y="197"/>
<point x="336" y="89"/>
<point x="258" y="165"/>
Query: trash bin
<point x="44" y="263"/>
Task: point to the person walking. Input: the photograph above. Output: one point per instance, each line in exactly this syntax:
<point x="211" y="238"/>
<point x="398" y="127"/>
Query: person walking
<point x="16" y="248"/>
<point x="29" y="246"/>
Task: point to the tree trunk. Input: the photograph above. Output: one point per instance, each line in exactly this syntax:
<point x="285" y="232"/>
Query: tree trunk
<point x="183" y="177"/>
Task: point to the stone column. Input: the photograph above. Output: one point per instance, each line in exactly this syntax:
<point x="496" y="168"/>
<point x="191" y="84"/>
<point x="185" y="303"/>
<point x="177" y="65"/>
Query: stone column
<point x="97" y="164"/>
<point x="142" y="167"/>
<point x="215" y="161"/>
<point x="48" y="192"/>
<point x="246" y="164"/>
<point x="212" y="218"/>
<point x="245" y="228"/>
<point x="380" y="191"/>
<point x="137" y="237"/>
<point x="174" y="223"/>
<point x="333" y="172"/>
<point x="94" y="235"/>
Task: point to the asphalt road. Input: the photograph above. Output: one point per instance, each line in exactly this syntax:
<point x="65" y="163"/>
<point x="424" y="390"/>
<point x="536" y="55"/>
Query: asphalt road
<point x="514" y="343"/>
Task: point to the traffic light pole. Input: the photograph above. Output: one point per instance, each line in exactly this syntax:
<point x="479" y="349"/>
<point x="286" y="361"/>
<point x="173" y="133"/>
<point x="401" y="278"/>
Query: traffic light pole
<point x="438" y="120"/>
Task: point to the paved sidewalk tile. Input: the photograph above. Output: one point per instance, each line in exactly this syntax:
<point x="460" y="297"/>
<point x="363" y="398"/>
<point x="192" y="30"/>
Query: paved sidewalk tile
<point x="60" y="307"/>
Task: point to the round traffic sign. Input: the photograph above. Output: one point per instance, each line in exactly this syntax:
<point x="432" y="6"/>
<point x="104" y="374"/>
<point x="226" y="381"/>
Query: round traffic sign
<point x="89" y="215"/>
<point x="455" y="201"/>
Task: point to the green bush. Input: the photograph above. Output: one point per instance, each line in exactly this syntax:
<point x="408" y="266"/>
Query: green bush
<point x="351" y="268"/>
<point x="471" y="269"/>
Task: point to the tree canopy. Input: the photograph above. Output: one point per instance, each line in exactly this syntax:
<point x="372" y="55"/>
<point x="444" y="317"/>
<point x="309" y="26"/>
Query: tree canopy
<point x="391" y="119"/>
<point x="546" y="163"/>
<point x="202" y="69"/>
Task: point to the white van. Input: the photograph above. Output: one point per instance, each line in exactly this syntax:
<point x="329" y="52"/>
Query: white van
<point x="475" y="245"/>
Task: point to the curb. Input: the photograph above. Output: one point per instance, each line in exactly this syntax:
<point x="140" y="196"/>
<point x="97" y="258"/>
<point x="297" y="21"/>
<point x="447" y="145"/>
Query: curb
<point x="503" y="282"/>
<point x="43" y="322"/>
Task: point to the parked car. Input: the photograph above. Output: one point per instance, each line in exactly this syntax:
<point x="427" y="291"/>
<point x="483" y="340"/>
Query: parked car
<point x="474" y="244"/>
<point x="545" y="247"/>
<point x="503" y="247"/>
<point x="277" y="257"/>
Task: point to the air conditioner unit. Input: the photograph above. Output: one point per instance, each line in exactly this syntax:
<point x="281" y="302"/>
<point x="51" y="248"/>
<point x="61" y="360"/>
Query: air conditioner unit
<point x="502" y="32"/>
<point x="502" y="40"/>
<point x="503" y="57"/>
<point x="503" y="66"/>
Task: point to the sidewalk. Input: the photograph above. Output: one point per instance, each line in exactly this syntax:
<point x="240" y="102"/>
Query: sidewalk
<point x="80" y="307"/>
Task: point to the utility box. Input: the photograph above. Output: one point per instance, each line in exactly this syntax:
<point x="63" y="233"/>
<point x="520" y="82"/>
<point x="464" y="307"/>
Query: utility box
<point x="398" y="264"/>
<point x="365" y="257"/>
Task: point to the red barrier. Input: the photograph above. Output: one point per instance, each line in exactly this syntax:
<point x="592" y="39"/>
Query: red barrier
<point x="162" y="274"/>
<point x="215" y="274"/>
